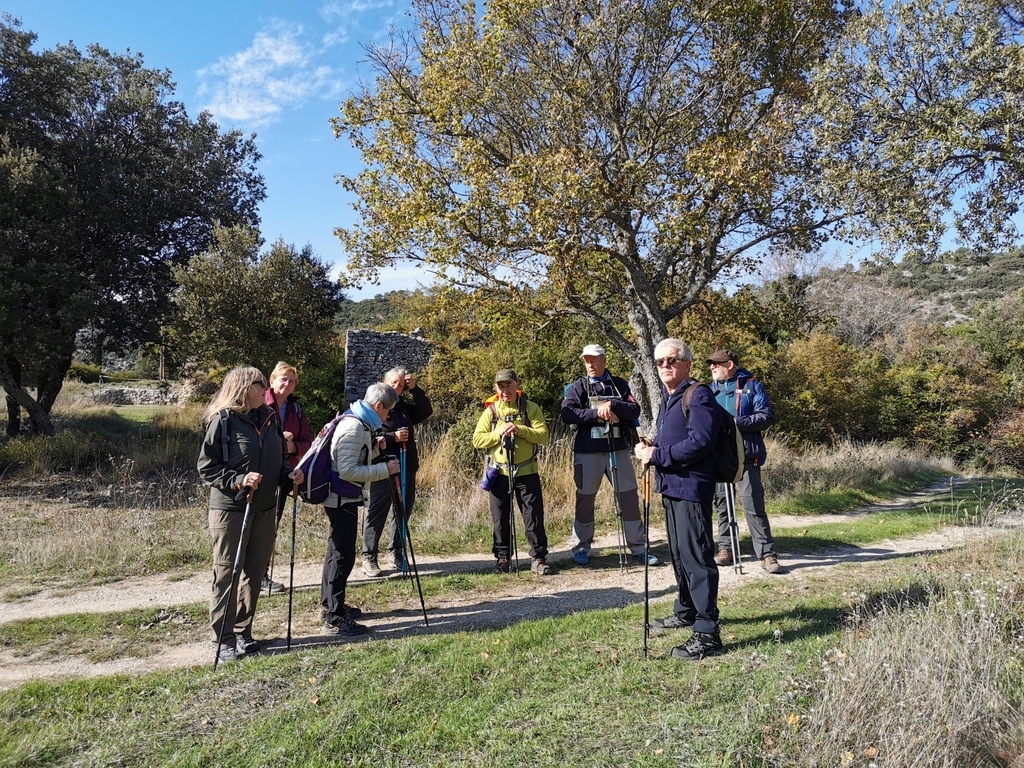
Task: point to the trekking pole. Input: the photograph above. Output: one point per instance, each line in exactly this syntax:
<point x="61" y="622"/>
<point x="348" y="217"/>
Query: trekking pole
<point x="645" y="480"/>
<point x="614" y="461"/>
<point x="273" y="553"/>
<point x="734" y="529"/>
<point x="291" y="565"/>
<point x="402" y="528"/>
<point x="509" y="451"/>
<point x="235" y="570"/>
<point x="399" y="505"/>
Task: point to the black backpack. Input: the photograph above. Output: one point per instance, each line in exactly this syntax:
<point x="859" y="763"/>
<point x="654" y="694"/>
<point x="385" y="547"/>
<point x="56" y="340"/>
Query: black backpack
<point x="728" y="455"/>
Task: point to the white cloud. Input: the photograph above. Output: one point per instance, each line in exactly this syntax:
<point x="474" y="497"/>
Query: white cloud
<point x="346" y="11"/>
<point x="279" y="70"/>
<point x="346" y="15"/>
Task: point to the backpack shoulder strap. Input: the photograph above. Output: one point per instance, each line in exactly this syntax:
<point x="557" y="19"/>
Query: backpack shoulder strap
<point x="688" y="397"/>
<point x="522" y="410"/>
<point x="225" y="414"/>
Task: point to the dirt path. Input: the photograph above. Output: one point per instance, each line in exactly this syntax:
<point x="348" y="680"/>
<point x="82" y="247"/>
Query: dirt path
<point x="526" y="597"/>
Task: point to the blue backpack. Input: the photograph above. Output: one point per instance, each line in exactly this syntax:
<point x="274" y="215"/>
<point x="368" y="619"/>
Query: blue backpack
<point x="319" y="478"/>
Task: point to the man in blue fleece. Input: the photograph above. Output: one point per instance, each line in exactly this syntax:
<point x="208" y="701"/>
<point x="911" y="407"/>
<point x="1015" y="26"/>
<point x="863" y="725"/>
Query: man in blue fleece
<point x="689" y="422"/>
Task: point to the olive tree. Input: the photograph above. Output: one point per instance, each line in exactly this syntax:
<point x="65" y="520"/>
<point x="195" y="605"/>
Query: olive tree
<point x="624" y="154"/>
<point x="105" y="182"/>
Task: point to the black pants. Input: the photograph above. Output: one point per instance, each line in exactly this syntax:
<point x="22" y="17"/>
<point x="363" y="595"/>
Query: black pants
<point x="377" y="514"/>
<point x="531" y="502"/>
<point x="693" y="557"/>
<point x="340" y="557"/>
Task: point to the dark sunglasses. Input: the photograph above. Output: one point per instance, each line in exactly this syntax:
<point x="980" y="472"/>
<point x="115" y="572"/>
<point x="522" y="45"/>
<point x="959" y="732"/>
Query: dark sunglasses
<point x="259" y="383"/>
<point x="666" y="362"/>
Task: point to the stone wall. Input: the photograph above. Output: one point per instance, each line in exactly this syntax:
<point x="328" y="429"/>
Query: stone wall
<point x="121" y="395"/>
<point x="371" y="354"/>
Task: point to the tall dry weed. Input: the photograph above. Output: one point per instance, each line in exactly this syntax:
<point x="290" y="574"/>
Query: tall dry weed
<point x="929" y="675"/>
<point x="848" y="464"/>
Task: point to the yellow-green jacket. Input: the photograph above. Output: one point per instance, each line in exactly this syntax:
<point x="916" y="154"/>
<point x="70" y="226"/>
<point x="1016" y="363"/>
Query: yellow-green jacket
<point x="487" y="436"/>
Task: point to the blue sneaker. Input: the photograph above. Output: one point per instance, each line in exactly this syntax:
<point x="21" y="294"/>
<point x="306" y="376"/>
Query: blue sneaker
<point x="580" y="556"/>
<point x="652" y="560"/>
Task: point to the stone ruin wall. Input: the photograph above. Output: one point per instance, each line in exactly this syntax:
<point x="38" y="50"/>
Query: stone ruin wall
<point x="371" y="354"/>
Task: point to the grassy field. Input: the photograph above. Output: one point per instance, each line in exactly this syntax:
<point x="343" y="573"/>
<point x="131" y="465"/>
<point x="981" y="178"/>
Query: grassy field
<point x="903" y="661"/>
<point x="576" y="689"/>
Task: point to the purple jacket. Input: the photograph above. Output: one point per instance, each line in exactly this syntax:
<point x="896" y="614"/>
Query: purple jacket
<point x="683" y="450"/>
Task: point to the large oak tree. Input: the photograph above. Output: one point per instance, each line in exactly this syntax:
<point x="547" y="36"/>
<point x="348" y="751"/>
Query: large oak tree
<point x="105" y="182"/>
<point x="627" y="153"/>
<point x="918" y="116"/>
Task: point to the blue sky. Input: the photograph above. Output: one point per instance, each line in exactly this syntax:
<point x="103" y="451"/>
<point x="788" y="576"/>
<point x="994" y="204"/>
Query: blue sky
<point x="276" y="69"/>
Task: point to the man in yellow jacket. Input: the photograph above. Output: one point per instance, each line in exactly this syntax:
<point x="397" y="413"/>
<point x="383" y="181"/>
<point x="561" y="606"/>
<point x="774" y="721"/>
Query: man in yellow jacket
<point x="510" y="429"/>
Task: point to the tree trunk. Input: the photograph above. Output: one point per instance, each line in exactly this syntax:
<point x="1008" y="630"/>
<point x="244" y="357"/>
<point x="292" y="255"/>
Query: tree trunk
<point x="13" y="409"/>
<point x="13" y="416"/>
<point x="39" y="417"/>
<point x="644" y="382"/>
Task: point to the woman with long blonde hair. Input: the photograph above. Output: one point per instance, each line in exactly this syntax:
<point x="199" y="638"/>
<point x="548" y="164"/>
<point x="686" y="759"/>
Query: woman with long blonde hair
<point x="244" y="461"/>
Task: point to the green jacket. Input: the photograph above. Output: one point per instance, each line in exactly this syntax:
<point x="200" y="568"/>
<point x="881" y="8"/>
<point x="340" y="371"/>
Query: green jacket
<point x="487" y="436"/>
<point x="255" y="444"/>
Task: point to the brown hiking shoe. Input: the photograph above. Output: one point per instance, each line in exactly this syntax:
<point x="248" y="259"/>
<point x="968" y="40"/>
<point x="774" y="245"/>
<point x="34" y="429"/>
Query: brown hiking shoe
<point x="540" y="567"/>
<point x="771" y="564"/>
<point x="724" y="557"/>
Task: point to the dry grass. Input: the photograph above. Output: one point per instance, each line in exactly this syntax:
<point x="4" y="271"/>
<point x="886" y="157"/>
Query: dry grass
<point x="928" y="675"/>
<point x="845" y="465"/>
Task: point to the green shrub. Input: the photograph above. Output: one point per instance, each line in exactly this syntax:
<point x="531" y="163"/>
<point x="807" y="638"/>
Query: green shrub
<point x="85" y="373"/>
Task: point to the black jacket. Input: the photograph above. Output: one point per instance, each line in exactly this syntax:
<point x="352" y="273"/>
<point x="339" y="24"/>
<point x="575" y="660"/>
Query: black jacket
<point x="576" y="411"/>
<point x="407" y="414"/>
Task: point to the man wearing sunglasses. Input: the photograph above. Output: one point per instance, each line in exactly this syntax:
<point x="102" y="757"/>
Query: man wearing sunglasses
<point x="681" y="453"/>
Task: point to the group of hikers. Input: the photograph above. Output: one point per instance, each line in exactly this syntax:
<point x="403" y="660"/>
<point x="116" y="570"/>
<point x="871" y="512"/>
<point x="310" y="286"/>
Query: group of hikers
<point x="257" y="436"/>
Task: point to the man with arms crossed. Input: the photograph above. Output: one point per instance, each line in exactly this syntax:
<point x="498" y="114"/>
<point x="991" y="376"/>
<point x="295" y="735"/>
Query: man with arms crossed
<point x="597" y="406"/>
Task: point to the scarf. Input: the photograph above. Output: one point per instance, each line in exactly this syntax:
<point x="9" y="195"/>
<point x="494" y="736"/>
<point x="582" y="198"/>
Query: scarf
<point x="366" y="414"/>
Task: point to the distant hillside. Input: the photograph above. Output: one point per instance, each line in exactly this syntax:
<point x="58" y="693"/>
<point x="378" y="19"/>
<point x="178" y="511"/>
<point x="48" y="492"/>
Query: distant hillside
<point x="956" y="282"/>
<point x="373" y="313"/>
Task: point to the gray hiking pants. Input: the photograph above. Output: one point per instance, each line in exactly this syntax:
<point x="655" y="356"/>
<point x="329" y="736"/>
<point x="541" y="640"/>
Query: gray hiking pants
<point x="588" y="471"/>
<point x="749" y="493"/>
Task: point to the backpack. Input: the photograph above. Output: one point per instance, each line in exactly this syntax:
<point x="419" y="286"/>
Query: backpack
<point x="728" y="455"/>
<point x="319" y="478"/>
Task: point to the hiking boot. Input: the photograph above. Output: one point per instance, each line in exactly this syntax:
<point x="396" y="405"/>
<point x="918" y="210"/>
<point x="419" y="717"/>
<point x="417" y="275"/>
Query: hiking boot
<point x="501" y="566"/>
<point x="227" y="653"/>
<point x="345" y="628"/>
<point x="244" y="644"/>
<point x="371" y="568"/>
<point x="580" y="556"/>
<point x="540" y="567"/>
<point x="672" y="621"/>
<point x="771" y="564"/>
<point x="698" y="646"/>
<point x="351" y="612"/>
<point x="724" y="557"/>
<point x="652" y="560"/>
<point x="272" y="587"/>
<point x="398" y="561"/>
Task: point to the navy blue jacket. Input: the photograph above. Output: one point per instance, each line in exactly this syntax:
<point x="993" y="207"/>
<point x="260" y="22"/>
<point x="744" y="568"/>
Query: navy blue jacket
<point x="683" y="447"/>
<point x="576" y="411"/>
<point x="754" y="413"/>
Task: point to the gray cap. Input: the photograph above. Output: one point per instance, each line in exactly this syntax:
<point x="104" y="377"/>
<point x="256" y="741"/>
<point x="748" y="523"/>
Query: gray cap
<point x="505" y="374"/>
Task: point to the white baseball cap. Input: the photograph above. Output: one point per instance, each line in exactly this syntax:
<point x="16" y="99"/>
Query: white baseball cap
<point x="593" y="350"/>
